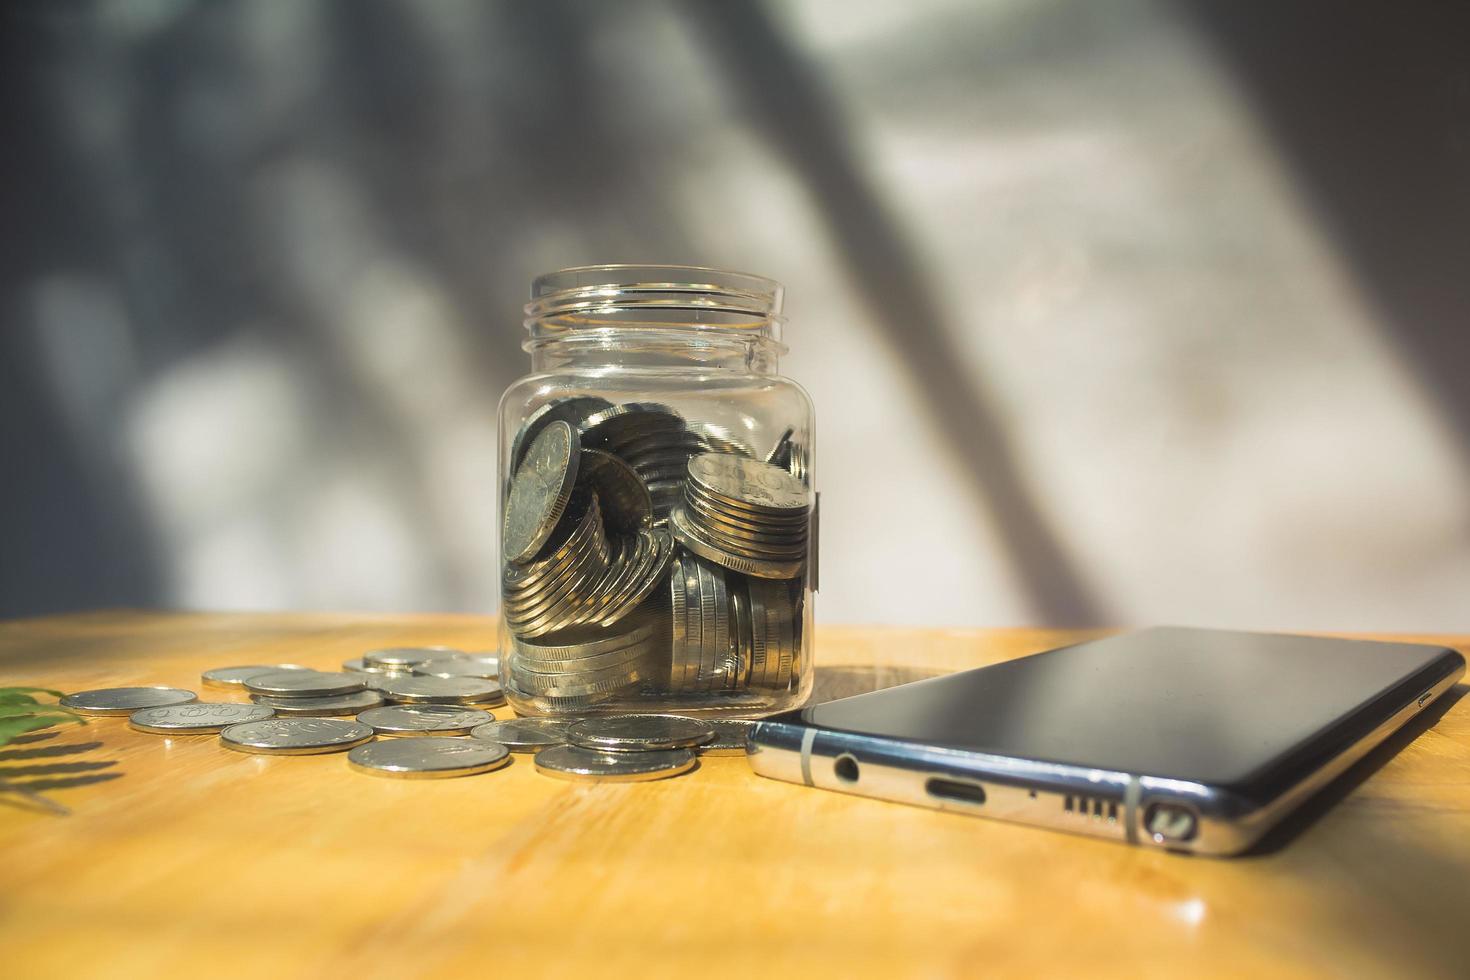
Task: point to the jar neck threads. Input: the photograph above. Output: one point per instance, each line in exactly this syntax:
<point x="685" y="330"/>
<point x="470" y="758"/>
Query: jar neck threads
<point x="652" y="316"/>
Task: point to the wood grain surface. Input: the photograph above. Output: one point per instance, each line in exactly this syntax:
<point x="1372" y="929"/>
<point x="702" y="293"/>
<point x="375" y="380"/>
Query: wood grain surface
<point x="181" y="858"/>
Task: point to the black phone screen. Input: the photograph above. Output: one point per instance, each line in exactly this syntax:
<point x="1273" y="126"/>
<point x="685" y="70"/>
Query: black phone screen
<point x="1227" y="709"/>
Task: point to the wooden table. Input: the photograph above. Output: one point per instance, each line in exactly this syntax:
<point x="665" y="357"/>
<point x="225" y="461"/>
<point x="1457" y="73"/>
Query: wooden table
<point x="181" y="858"/>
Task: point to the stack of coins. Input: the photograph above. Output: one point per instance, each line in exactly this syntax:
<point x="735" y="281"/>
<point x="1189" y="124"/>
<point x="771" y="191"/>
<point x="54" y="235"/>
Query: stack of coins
<point x="745" y="515"/>
<point x="581" y="668"/>
<point x="731" y="632"/>
<point x="647" y="556"/>
<point x="626" y="748"/>
<point x="312" y="693"/>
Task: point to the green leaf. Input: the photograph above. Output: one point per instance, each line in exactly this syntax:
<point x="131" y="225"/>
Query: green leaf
<point x="11" y="727"/>
<point x="21" y="710"/>
<point x="7" y="698"/>
<point x="29" y="690"/>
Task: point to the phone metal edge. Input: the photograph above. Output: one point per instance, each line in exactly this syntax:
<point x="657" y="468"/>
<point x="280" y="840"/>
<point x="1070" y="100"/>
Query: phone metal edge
<point x="1104" y="803"/>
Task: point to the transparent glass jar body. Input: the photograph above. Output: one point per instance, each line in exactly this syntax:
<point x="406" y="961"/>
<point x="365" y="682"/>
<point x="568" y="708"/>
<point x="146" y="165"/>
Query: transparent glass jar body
<point x="678" y="576"/>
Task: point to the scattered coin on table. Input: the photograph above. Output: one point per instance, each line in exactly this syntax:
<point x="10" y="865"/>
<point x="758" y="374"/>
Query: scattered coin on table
<point x="424" y="719"/>
<point x="486" y="668"/>
<point x="434" y="757"/>
<point x="575" y="762"/>
<point x="296" y="736"/>
<point x="195" y="717"/>
<point x="440" y="690"/>
<point x="404" y="657"/>
<point x="525" y="734"/>
<point x="305" y="684"/>
<point x="639" y="733"/>
<point x="335" y="704"/>
<point x="124" y="700"/>
<point x="731" y="736"/>
<point x="358" y="666"/>
<point x="233" y="677"/>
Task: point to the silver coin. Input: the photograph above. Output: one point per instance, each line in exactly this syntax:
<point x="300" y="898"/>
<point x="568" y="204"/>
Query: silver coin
<point x="295" y="736"/>
<point x="532" y="609"/>
<point x="626" y="506"/>
<point x="525" y="734"/>
<point x="622" y="423"/>
<point x="441" y="690"/>
<point x="400" y="658"/>
<point x="749" y="483"/>
<point x="487" y="668"/>
<point x="575" y="762"/>
<point x="305" y="683"/>
<point x="539" y="491"/>
<point x="229" y="677"/>
<point x="336" y="704"/>
<point x="588" y="641"/>
<point x="584" y="541"/>
<point x="687" y="532"/>
<point x="357" y="665"/>
<point x="434" y="757"/>
<point x="424" y="719"/>
<point x="603" y="661"/>
<point x="731" y="736"/>
<point x="640" y="733"/>
<point x="125" y="700"/>
<point x="572" y="410"/>
<point x="589" y="684"/>
<point x="195" y="718"/>
<point x="627" y="594"/>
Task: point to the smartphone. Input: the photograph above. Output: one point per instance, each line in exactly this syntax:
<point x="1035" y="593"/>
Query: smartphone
<point x="1187" y="739"/>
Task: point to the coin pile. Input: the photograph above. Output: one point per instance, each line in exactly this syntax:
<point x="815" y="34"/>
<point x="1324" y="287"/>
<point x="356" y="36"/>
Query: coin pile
<point x="311" y="693"/>
<point x="645" y="555"/>
<point x="397" y="663"/>
<point x="419" y="741"/>
<point x="626" y="748"/>
<point x="744" y="515"/>
<point x="579" y="667"/>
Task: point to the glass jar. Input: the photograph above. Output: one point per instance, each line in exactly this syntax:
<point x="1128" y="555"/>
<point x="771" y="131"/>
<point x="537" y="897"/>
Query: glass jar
<point x="658" y="512"/>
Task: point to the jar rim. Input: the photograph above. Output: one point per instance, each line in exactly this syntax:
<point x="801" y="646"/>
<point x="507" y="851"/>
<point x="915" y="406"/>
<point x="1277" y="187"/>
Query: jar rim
<point x="669" y="294"/>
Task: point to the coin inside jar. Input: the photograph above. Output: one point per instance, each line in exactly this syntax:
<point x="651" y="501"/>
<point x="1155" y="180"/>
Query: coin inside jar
<point x="575" y="762"/>
<point x="626" y="505"/>
<point x="539" y="491"/>
<point x="424" y="719"/>
<point x="435" y="757"/>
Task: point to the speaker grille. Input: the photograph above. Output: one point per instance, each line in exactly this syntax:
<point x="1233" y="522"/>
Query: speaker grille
<point x="1091" y="808"/>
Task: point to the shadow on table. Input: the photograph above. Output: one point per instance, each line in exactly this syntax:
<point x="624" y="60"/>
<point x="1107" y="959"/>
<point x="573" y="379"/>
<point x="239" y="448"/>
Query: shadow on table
<point x="21" y="786"/>
<point x="1373" y="852"/>
<point x="843" y="681"/>
<point x="1339" y="789"/>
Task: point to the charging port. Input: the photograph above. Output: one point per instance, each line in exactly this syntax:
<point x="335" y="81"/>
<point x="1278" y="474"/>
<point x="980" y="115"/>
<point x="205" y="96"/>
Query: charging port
<point x="953" y="789"/>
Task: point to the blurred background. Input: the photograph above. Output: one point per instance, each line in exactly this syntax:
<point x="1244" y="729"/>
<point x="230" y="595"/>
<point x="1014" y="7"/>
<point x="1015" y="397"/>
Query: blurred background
<point x="1114" y="313"/>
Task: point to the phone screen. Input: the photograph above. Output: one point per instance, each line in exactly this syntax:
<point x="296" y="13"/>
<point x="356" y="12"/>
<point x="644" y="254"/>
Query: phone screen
<point x="1207" y="706"/>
